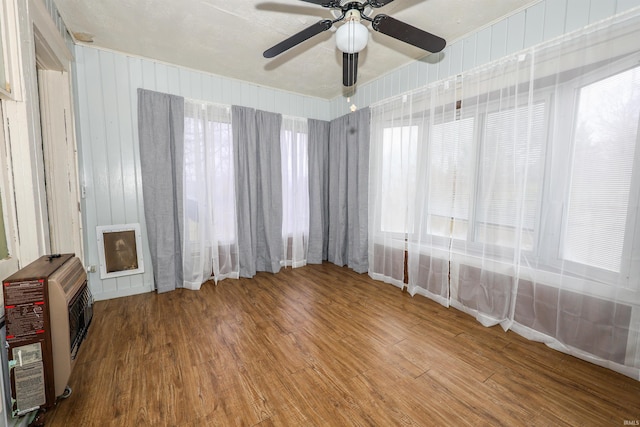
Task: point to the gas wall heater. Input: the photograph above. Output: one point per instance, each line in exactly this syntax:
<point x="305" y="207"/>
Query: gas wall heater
<point x="48" y="309"/>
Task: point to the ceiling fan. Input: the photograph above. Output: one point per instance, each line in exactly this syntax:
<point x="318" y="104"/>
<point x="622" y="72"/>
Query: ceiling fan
<point x="352" y="36"/>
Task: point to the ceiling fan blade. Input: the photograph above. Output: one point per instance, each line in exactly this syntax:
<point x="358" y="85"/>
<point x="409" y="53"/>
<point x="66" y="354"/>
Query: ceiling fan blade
<point x="349" y="68"/>
<point x="298" y="38"/>
<point x="408" y="33"/>
<point x="379" y="3"/>
<point x="326" y="3"/>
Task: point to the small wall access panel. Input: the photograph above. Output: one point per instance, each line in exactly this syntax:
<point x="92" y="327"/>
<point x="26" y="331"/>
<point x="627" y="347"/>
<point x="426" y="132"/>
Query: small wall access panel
<point x="48" y="309"/>
<point x="120" y="250"/>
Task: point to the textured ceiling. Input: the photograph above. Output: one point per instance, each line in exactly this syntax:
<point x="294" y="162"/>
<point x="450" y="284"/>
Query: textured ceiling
<point x="227" y="38"/>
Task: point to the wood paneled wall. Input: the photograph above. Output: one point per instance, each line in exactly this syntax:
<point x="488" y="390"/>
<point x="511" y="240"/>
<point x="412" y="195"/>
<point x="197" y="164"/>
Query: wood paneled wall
<point x="106" y="108"/>
<point x="107" y="128"/>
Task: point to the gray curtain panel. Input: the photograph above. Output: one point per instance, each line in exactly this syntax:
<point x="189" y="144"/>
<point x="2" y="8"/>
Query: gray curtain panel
<point x="318" y="150"/>
<point x="256" y="144"/>
<point x="348" y="172"/>
<point x="161" y="136"/>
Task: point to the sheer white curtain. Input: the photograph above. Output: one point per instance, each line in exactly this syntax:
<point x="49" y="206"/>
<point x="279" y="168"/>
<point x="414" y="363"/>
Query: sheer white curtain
<point x="505" y="139"/>
<point x="210" y="244"/>
<point x="418" y="171"/>
<point x="522" y="206"/>
<point x="395" y="132"/>
<point x="295" y="191"/>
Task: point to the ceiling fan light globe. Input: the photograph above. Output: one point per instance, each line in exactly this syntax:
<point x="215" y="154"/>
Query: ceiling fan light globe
<point x="352" y="37"/>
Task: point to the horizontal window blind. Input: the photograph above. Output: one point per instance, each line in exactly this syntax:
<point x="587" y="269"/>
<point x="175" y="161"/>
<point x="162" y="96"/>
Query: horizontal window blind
<point x="605" y="138"/>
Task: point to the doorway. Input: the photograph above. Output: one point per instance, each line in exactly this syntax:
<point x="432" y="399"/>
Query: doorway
<point x="53" y="61"/>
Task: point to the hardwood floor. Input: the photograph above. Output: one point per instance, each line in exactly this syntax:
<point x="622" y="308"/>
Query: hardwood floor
<point x="322" y="345"/>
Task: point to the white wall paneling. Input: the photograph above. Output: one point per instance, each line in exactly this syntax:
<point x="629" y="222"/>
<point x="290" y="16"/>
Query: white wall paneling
<point x="515" y="32"/>
<point x="577" y="14"/>
<point x="455" y="58"/>
<point x="555" y="15"/>
<point x="499" y="35"/>
<point x="482" y="53"/>
<point x="107" y="128"/>
<point x="601" y="9"/>
<point x="534" y="25"/>
<point x="106" y="91"/>
<point x="622" y="5"/>
<point x="469" y="47"/>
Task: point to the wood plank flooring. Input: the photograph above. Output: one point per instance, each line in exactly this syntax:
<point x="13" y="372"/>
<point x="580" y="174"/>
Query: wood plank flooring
<point x="324" y="346"/>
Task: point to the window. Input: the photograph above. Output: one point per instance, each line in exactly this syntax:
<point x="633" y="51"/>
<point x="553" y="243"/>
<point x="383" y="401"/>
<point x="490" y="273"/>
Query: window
<point x="509" y="190"/>
<point x="462" y="170"/>
<point x="450" y="180"/>
<point x="480" y="184"/>
<point x="544" y="170"/>
<point x="399" y="158"/>
<point x="209" y="173"/>
<point x="605" y="136"/>
<point x="484" y="185"/>
<point x="295" y="190"/>
<point x="210" y="247"/>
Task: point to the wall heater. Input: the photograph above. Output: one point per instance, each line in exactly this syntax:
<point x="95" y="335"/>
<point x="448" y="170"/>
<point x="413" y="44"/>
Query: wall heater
<point x="48" y="309"/>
